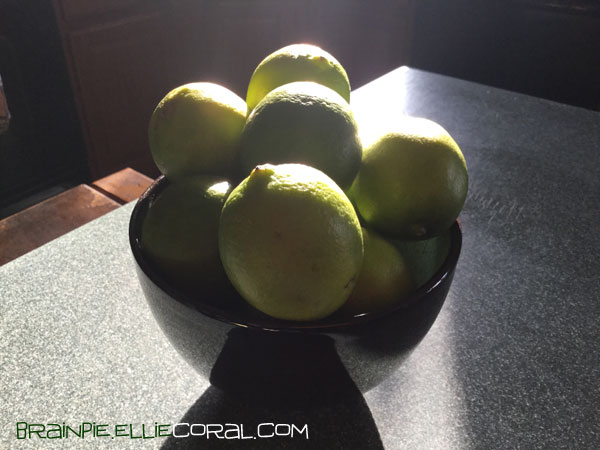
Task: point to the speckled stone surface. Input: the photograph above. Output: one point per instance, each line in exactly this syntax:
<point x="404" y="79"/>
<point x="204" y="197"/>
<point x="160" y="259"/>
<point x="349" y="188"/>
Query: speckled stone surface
<point x="511" y="362"/>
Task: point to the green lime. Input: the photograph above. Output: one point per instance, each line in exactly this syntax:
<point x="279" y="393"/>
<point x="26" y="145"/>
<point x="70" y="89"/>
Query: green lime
<point x="179" y="232"/>
<point x="290" y="242"/>
<point x="424" y="257"/>
<point x="413" y="180"/>
<point x="307" y="123"/>
<point x="297" y="62"/>
<point x="384" y="279"/>
<point x="196" y="129"/>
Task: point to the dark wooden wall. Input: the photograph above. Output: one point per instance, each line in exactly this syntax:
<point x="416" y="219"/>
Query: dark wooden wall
<point x="124" y="56"/>
<point x="43" y="145"/>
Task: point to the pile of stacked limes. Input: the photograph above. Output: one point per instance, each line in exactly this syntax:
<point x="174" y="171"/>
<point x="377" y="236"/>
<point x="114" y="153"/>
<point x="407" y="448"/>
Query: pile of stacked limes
<point x="276" y="195"/>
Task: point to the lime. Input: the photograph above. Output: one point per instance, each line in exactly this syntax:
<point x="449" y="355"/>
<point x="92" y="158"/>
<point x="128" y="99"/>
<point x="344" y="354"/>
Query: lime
<point x="413" y="180"/>
<point x="196" y="129"/>
<point x="297" y="62"/>
<point x="424" y="257"/>
<point x="384" y="279"/>
<point x="307" y="123"/>
<point x="290" y="242"/>
<point x="179" y="232"/>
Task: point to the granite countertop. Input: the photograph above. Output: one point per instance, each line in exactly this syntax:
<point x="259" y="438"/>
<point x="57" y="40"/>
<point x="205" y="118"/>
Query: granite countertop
<point x="511" y="362"/>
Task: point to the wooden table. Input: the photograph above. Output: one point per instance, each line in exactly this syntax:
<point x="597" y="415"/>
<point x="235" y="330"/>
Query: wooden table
<point x="51" y="218"/>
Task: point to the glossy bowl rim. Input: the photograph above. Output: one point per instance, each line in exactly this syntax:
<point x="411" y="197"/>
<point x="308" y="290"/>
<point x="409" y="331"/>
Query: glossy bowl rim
<point x="272" y="324"/>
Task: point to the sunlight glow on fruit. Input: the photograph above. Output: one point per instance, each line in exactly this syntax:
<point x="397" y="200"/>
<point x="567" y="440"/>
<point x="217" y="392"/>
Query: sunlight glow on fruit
<point x="219" y="188"/>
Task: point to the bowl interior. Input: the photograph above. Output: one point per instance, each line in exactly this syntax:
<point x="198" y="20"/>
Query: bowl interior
<point x="434" y="260"/>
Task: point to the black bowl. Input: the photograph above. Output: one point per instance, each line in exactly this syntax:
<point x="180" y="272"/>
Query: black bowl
<point x="249" y="355"/>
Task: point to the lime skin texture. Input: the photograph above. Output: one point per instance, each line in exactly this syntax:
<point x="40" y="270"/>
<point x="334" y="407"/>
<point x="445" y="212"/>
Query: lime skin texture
<point x="413" y="180"/>
<point x="291" y="242"/>
<point x="180" y="230"/>
<point x="297" y="62"/>
<point x="195" y="130"/>
<point x="385" y="278"/>
<point x="305" y="123"/>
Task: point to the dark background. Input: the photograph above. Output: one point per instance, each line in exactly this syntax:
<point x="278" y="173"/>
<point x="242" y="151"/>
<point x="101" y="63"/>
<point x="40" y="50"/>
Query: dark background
<point x="42" y="152"/>
<point x="55" y="64"/>
<point x="545" y="48"/>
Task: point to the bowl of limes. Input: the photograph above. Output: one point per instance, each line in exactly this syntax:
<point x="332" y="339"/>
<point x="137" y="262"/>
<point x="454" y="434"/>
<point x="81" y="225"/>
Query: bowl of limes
<point x="281" y="253"/>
